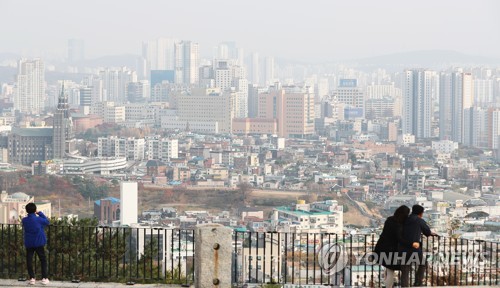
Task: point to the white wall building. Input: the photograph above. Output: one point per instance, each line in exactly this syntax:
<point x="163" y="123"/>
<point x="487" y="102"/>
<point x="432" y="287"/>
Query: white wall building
<point x="130" y="148"/>
<point x="444" y="146"/>
<point x="317" y="217"/>
<point x="99" y="165"/>
<point x="128" y="203"/>
<point x="161" y="148"/>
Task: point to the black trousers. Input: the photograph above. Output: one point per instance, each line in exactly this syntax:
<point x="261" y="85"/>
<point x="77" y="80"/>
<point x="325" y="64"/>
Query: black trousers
<point x="40" y="251"/>
<point x="417" y="259"/>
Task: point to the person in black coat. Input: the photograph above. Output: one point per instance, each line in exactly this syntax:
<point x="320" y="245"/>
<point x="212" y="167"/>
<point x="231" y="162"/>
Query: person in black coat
<point x="413" y="229"/>
<point x="390" y="242"/>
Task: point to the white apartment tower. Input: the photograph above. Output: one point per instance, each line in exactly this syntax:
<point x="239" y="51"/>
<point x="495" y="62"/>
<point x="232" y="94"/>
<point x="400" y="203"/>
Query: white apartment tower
<point x="186" y="64"/>
<point x="417" y="102"/>
<point x="456" y="95"/>
<point x="115" y="82"/>
<point x="29" y="91"/>
<point x="160" y="53"/>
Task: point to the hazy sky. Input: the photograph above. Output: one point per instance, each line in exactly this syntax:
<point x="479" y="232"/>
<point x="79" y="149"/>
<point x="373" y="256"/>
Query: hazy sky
<point x="301" y="30"/>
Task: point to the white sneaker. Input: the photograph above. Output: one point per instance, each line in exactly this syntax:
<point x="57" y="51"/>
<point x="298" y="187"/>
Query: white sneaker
<point x="32" y="281"/>
<point x="45" y="281"/>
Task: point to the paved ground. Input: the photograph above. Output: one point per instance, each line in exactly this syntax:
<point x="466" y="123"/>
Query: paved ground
<point x="16" y="283"/>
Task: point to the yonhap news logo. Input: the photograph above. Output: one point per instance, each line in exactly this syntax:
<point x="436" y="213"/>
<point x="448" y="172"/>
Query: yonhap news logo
<point x="332" y="257"/>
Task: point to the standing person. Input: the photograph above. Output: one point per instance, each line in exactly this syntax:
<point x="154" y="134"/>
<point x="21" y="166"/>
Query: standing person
<point x="35" y="240"/>
<point x="389" y="242"/>
<point x="413" y="229"/>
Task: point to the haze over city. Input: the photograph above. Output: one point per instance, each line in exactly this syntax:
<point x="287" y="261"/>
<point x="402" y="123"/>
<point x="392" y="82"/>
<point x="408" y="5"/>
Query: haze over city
<point x="218" y="143"/>
<point x="295" y="30"/>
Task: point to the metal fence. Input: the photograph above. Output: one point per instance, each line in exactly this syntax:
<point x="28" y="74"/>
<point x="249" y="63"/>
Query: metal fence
<point x="331" y="259"/>
<point x="112" y="254"/>
<point x="161" y="255"/>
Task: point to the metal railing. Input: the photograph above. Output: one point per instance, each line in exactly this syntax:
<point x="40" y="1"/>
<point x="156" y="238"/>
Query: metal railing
<point x="331" y="259"/>
<point x="110" y="254"/>
<point x="162" y="255"/>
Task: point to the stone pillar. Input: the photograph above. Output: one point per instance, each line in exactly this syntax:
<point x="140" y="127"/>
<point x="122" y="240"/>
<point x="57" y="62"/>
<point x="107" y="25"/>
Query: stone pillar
<point x="213" y="256"/>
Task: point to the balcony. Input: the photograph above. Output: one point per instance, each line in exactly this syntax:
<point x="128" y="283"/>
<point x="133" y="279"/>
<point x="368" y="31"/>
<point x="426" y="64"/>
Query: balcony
<point x="171" y="256"/>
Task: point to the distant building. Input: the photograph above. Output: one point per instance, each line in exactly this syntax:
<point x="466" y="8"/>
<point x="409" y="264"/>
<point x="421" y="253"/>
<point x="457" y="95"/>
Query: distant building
<point x="115" y="82"/>
<point x="62" y="128"/>
<point x="29" y="91"/>
<point x="456" y="94"/>
<point x="156" y="168"/>
<point x="293" y="109"/>
<point x="207" y="106"/>
<point x="350" y="95"/>
<point x="99" y="165"/>
<point x="128" y="203"/>
<point x="163" y="149"/>
<point x="27" y="145"/>
<point x="82" y="123"/>
<point x="107" y="210"/>
<point x="12" y="207"/>
<point x="187" y="58"/>
<point x="254" y="126"/>
<point x="317" y="217"/>
<point x="138" y="91"/>
<point x="130" y="148"/>
<point x="76" y="50"/>
<point x="110" y="112"/>
<point x="419" y="88"/>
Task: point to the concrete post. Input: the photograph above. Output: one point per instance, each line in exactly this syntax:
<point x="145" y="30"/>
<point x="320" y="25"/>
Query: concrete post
<point x="213" y="256"/>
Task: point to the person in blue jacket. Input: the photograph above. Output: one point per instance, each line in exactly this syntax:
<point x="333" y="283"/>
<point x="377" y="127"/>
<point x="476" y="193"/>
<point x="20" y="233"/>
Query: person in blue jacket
<point x="35" y="240"/>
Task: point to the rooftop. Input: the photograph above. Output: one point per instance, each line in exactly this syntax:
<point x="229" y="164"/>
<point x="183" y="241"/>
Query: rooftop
<point x="301" y="212"/>
<point x="39" y="132"/>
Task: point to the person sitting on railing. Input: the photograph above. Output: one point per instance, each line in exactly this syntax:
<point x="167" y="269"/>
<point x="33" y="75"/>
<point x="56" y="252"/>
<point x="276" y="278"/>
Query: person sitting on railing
<point x="390" y="240"/>
<point x="35" y="240"/>
<point x="413" y="229"/>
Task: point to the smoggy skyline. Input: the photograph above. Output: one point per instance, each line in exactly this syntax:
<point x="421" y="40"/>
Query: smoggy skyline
<point x="310" y="31"/>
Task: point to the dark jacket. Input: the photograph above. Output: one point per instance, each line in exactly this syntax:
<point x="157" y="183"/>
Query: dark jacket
<point x="389" y="243"/>
<point x="413" y="229"/>
<point x="34" y="235"/>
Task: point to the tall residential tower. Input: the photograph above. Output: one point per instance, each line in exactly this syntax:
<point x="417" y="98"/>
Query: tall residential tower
<point x="418" y="89"/>
<point x="30" y="86"/>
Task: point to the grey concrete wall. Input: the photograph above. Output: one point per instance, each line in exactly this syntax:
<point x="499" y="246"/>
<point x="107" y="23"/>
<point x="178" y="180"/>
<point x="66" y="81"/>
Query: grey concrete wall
<point x="213" y="255"/>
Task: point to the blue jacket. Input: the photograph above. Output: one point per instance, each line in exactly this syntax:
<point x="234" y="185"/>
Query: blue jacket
<point x="34" y="235"/>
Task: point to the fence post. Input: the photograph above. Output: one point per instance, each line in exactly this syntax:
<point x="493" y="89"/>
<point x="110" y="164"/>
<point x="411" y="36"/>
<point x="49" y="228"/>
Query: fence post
<point x="213" y="255"/>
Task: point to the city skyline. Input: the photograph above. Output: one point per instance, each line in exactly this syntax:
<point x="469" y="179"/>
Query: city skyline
<point x="312" y="34"/>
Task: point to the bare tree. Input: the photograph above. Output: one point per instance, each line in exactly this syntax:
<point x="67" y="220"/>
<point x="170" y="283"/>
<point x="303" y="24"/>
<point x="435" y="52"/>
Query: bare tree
<point x="244" y="190"/>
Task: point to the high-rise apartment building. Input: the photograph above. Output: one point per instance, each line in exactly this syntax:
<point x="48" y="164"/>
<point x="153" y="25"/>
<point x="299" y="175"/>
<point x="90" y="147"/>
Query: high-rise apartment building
<point x="29" y="90"/>
<point x="476" y="127"/>
<point x="255" y="68"/>
<point x="418" y="88"/>
<point x="456" y="95"/>
<point x="493" y="128"/>
<point x="160" y="53"/>
<point x="76" y="50"/>
<point x="186" y="63"/>
<point x="115" y="82"/>
<point x="269" y="71"/>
